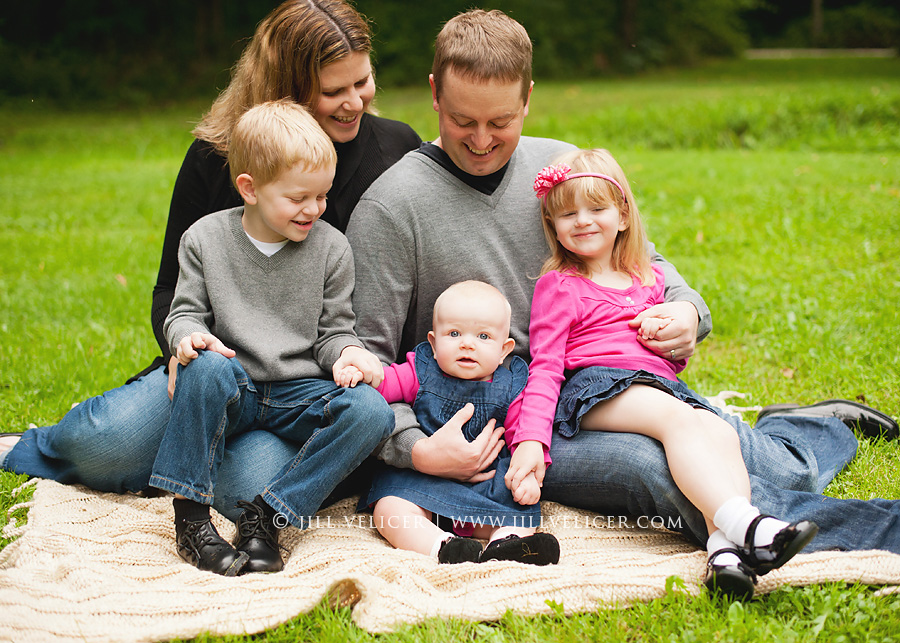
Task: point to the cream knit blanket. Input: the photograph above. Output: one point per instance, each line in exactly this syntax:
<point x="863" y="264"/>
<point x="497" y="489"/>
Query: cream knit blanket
<point x="92" y="566"/>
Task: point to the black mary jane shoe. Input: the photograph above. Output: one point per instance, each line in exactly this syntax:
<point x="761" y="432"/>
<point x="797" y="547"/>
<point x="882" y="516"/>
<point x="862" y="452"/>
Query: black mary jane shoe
<point x="870" y="422"/>
<point x="537" y="549"/>
<point x="201" y="545"/>
<point x="737" y="582"/>
<point x="459" y="550"/>
<point x="257" y="536"/>
<point x="787" y="543"/>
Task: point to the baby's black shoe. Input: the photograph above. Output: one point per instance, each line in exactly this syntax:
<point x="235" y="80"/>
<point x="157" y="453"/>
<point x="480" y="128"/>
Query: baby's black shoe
<point x="459" y="550"/>
<point x="537" y="549"/>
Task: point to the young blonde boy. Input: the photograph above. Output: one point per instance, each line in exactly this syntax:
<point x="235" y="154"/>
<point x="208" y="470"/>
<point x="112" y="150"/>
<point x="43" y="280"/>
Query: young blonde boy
<point x="261" y="322"/>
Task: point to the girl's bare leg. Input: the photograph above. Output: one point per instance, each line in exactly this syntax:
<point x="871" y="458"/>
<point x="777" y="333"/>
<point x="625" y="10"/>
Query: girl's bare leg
<point x="703" y="451"/>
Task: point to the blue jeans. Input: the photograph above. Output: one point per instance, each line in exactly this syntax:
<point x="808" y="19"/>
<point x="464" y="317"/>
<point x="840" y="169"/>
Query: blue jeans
<point x="790" y="461"/>
<point x="216" y="399"/>
<point x="111" y="444"/>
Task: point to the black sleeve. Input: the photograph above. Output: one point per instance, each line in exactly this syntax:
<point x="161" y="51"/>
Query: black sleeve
<point x="203" y="186"/>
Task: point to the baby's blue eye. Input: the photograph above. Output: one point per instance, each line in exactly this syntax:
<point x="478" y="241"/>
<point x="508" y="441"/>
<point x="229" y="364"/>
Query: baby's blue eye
<point x="454" y="333"/>
<point x="484" y="336"/>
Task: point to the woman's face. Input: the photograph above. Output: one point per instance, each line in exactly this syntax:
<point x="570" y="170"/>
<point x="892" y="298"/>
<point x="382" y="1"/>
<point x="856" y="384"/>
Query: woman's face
<point x="347" y="89"/>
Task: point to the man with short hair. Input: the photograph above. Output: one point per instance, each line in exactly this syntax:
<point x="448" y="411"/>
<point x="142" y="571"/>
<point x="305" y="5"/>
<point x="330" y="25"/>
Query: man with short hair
<point x="462" y="208"/>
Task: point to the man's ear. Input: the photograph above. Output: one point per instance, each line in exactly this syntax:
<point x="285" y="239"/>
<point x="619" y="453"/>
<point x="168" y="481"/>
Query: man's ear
<point x="528" y="98"/>
<point x="244" y="184"/>
<point x="508" y="347"/>
<point x="434" y="100"/>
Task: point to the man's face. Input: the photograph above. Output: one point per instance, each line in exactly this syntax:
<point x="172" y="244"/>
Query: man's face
<point x="479" y="122"/>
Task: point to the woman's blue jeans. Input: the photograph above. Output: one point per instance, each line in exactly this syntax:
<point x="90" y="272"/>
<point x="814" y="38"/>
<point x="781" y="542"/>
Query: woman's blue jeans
<point x="110" y="442"/>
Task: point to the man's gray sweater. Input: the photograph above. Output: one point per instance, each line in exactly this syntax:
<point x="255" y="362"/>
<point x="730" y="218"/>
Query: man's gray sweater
<point x="418" y="229"/>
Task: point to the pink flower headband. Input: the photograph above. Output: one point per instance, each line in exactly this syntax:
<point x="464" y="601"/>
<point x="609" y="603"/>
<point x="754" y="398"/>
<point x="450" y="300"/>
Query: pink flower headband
<point x="553" y="175"/>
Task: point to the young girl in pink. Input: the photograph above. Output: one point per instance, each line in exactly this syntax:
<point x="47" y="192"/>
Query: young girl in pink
<point x="599" y="278"/>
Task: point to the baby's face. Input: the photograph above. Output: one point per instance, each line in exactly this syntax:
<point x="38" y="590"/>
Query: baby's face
<point x="471" y="336"/>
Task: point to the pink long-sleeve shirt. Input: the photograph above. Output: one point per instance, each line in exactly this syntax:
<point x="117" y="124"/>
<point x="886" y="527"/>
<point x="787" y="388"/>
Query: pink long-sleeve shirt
<point x="577" y="323"/>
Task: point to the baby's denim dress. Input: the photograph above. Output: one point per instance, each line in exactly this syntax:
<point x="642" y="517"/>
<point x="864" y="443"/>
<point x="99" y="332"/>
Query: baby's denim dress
<point x="440" y="396"/>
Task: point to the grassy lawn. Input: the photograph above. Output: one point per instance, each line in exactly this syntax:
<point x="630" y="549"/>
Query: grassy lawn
<point x="774" y="186"/>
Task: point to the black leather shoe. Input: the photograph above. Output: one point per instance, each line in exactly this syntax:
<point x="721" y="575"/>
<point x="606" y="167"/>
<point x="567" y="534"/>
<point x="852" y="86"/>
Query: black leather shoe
<point x="537" y="549"/>
<point x="202" y="546"/>
<point x="787" y="543"/>
<point x="737" y="582"/>
<point x="870" y="422"/>
<point x="257" y="536"/>
<point x="459" y="550"/>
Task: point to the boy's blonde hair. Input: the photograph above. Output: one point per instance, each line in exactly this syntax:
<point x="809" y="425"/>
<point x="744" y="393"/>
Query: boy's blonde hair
<point x="483" y="46"/>
<point x="284" y="59"/>
<point x="276" y="136"/>
<point x="630" y="250"/>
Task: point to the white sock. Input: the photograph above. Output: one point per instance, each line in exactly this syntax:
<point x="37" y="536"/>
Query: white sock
<point x="718" y="540"/>
<point x="436" y="547"/>
<point x="734" y="518"/>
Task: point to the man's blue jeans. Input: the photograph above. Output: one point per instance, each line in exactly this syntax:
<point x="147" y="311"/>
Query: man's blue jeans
<point x="215" y="399"/>
<point x="110" y="442"/>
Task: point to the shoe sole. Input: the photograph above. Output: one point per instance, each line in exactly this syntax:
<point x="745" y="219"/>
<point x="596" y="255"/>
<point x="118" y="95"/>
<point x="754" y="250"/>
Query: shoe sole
<point x="888" y="428"/>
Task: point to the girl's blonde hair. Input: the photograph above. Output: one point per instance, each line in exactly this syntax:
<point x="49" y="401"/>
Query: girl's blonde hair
<point x="630" y="250"/>
<point x="283" y="60"/>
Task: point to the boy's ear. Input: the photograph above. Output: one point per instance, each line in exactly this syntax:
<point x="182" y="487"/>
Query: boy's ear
<point x="431" y="338"/>
<point x="244" y="184"/>
<point x="508" y="347"/>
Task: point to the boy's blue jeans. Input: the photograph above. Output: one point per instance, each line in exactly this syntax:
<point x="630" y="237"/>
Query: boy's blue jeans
<point x="215" y="400"/>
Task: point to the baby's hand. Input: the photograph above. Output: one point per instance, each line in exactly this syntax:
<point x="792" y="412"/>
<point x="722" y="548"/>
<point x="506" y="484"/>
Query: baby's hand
<point x="187" y="348"/>
<point x="528" y="492"/>
<point x="652" y="325"/>
<point x="368" y="367"/>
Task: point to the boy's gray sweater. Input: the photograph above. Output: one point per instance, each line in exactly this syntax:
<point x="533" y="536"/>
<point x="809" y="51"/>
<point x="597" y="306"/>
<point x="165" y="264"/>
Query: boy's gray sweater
<point x="287" y="316"/>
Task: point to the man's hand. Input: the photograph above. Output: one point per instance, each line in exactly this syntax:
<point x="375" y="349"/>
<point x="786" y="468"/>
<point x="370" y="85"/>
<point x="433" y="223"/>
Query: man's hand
<point x="188" y="347"/>
<point x="356" y="365"/>
<point x="447" y="453"/>
<point x="677" y="340"/>
<point x="527" y="460"/>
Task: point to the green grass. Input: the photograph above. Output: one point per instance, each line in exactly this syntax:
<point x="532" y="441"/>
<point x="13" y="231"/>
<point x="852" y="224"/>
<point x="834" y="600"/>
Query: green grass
<point x="774" y="186"/>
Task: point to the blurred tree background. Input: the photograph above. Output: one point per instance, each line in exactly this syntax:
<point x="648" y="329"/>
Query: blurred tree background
<point x="87" y="51"/>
